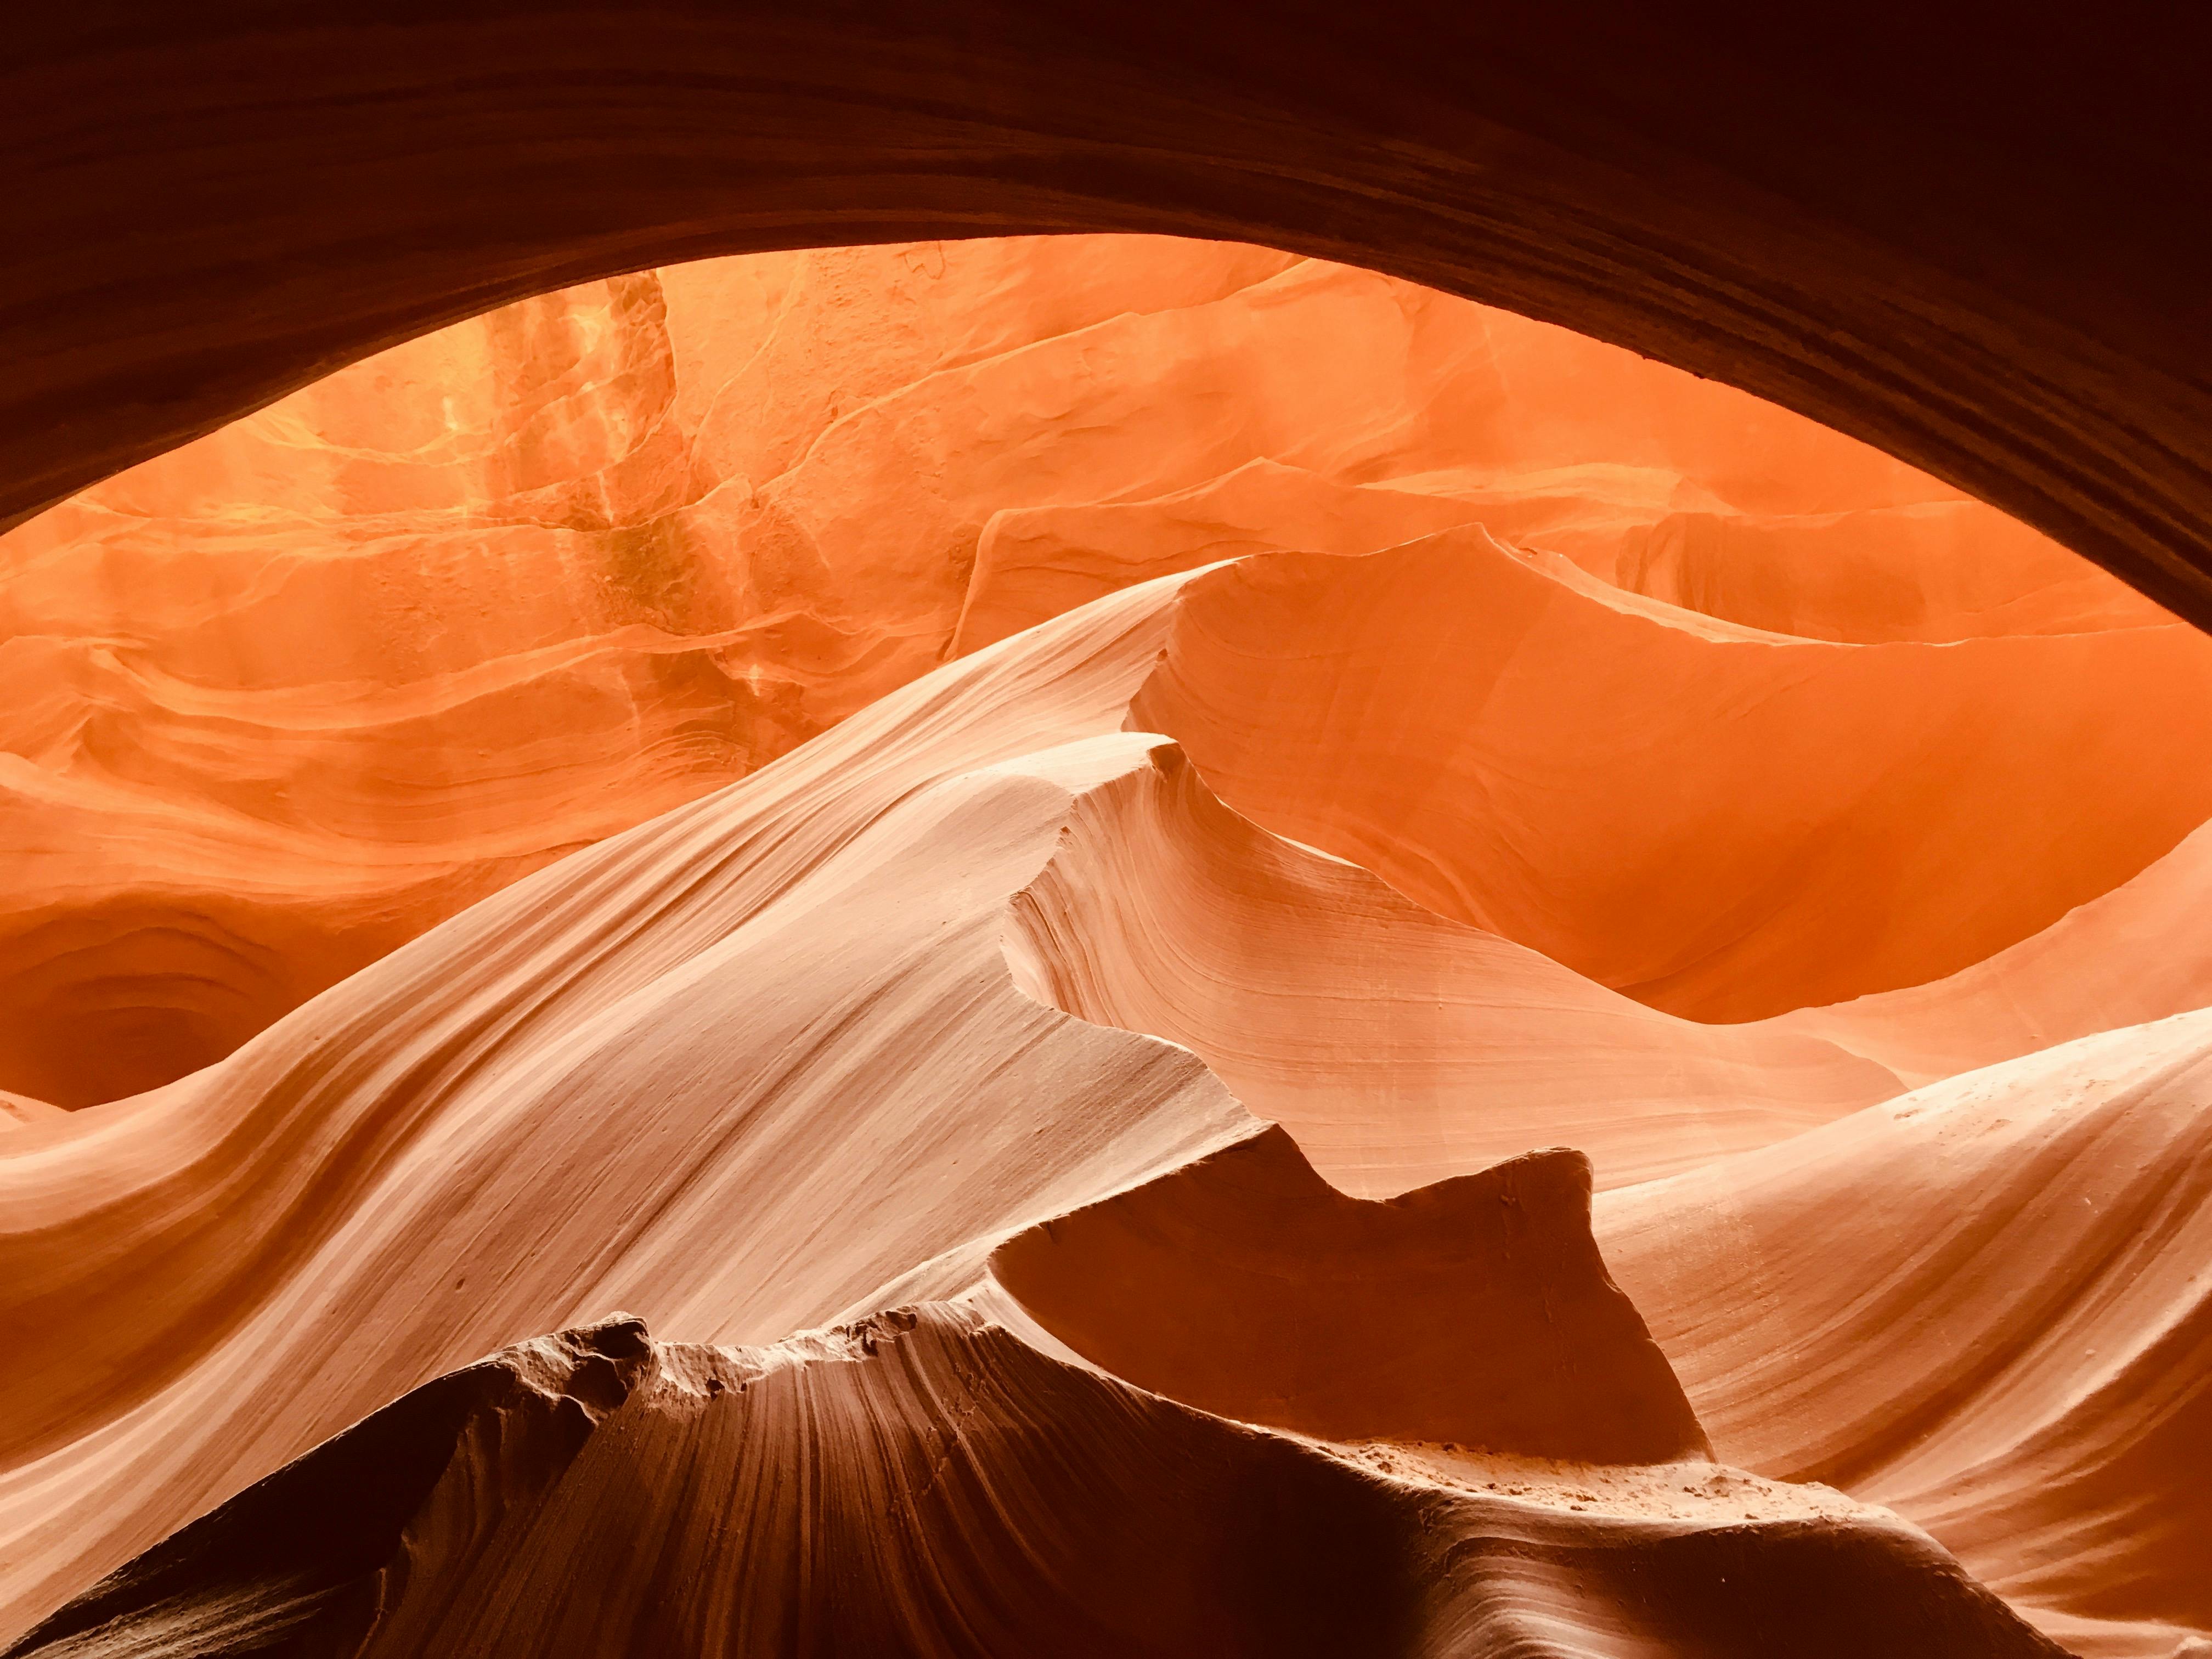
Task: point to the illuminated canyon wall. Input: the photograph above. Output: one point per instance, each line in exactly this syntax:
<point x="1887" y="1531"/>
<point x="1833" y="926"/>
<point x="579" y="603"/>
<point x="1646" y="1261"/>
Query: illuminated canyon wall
<point x="285" y="697"/>
<point x="1269" y="962"/>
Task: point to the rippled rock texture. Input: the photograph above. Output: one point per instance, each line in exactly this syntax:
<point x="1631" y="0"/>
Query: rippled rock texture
<point x="1217" y="956"/>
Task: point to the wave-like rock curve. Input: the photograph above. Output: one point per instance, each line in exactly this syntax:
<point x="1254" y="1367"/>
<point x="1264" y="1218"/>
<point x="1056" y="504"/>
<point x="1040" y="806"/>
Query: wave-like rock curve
<point x="1398" y="1046"/>
<point x="1720" y="822"/>
<point x="1985" y="1304"/>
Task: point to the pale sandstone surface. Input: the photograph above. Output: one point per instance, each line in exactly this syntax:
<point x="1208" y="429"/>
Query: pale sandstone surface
<point x="22" y="1108"/>
<point x="1399" y="1047"/>
<point x="1985" y="1304"/>
<point x="746" y="1067"/>
<point x="791" y="1002"/>
<point x="215" y="1275"/>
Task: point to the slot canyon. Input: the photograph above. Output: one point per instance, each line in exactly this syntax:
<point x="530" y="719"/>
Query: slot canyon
<point x="919" y="887"/>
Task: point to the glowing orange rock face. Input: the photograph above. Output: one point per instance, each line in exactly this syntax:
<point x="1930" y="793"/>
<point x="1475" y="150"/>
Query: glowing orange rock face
<point x="284" y="698"/>
<point x="777" y="1056"/>
<point x="1726" y="824"/>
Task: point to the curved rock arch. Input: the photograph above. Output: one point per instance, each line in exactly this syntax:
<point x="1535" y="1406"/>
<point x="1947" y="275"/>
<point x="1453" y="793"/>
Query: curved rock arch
<point x="1964" y="241"/>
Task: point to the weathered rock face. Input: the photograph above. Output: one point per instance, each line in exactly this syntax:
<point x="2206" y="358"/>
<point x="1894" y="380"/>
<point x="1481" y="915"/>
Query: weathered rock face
<point x="276" y="702"/>
<point x="1723" y="822"/>
<point x="1475" y="1312"/>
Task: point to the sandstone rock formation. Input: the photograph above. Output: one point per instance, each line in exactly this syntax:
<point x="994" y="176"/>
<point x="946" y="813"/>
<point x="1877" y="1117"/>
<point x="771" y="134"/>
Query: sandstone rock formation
<point x="1449" y="1047"/>
<point x="1219" y="955"/>
<point x="1476" y="1310"/>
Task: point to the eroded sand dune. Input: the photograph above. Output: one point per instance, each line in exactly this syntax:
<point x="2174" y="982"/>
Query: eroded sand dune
<point x="1064" y="863"/>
